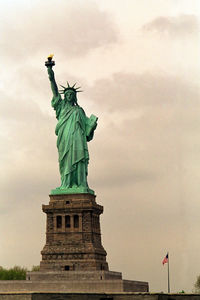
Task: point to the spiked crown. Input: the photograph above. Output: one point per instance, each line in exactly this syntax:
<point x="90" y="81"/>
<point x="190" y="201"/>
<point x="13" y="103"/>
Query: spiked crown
<point x="72" y="88"/>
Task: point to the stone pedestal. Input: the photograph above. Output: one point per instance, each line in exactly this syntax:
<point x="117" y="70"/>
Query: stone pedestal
<point x="73" y="236"/>
<point x="73" y="258"/>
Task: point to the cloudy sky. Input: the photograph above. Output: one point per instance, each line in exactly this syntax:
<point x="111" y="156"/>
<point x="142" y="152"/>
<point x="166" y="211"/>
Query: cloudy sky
<point x="138" y="64"/>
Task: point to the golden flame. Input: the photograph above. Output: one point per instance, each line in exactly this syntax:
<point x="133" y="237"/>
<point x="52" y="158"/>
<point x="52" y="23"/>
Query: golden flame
<point x="50" y="56"/>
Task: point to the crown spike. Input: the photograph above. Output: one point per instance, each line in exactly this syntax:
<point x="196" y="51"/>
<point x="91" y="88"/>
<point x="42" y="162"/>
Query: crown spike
<point x="69" y="88"/>
<point x="63" y="87"/>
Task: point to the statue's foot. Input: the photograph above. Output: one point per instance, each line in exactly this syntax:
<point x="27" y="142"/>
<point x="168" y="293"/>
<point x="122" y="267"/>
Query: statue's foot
<point x="62" y="187"/>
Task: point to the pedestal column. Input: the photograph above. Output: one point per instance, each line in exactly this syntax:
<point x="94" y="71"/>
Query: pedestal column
<point x="73" y="235"/>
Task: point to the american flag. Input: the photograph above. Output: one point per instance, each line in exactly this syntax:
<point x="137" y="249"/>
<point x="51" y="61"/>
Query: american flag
<point x="165" y="260"/>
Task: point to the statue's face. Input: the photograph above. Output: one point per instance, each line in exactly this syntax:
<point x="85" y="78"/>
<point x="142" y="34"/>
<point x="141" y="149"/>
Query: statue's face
<point x="70" y="96"/>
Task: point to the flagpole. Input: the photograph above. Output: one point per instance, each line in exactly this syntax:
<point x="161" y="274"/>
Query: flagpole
<point x="168" y="275"/>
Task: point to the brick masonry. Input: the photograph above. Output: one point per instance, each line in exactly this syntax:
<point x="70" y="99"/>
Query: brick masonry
<point x="73" y="235"/>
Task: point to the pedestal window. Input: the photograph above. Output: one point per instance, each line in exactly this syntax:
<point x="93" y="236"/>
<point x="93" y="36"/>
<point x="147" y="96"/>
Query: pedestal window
<point x="59" y="221"/>
<point x="76" y="221"/>
<point x="67" y="222"/>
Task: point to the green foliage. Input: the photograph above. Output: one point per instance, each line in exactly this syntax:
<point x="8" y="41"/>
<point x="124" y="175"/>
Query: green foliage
<point x="197" y="285"/>
<point x="15" y="273"/>
<point x="35" y="269"/>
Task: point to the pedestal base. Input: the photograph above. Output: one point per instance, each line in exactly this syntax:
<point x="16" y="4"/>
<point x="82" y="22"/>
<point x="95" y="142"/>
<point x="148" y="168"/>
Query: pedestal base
<point x="74" y="275"/>
<point x="73" y="190"/>
<point x="73" y="258"/>
<point x="85" y="281"/>
<point x="73" y="235"/>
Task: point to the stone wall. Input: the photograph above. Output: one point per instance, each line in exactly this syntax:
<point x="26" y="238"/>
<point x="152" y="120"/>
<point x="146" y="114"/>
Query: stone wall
<point x="73" y="286"/>
<point x="73" y="235"/>
<point x="95" y="296"/>
<point x="73" y="275"/>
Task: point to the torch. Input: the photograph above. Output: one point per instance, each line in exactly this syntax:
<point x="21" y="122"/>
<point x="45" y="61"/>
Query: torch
<point x="50" y="62"/>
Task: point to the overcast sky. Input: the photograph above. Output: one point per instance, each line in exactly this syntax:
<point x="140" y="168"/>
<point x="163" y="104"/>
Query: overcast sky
<point x="138" y="62"/>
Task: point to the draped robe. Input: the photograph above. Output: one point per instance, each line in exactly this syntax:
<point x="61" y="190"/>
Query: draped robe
<point x="73" y="130"/>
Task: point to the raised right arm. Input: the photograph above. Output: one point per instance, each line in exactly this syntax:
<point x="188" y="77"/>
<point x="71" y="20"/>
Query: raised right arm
<point x="54" y="87"/>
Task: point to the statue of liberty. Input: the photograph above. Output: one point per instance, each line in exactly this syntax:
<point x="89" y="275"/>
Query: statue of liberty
<point x="74" y="129"/>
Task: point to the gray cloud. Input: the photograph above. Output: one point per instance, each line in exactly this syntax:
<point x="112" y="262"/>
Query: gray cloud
<point x="129" y="100"/>
<point x="132" y="91"/>
<point x="179" y="26"/>
<point x="68" y="29"/>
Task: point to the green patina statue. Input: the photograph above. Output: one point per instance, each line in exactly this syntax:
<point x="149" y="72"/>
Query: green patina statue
<point x="74" y="129"/>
